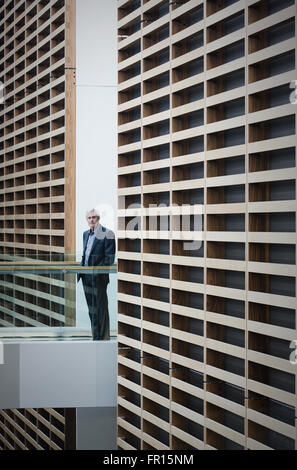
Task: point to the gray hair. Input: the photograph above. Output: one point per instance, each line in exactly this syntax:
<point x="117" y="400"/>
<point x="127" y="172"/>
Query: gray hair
<point x="93" y="210"/>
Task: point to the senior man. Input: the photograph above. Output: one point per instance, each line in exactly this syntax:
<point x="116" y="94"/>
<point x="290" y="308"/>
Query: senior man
<point x="98" y="250"/>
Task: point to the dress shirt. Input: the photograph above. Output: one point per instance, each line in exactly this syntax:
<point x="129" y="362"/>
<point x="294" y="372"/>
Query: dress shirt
<point x="89" y="246"/>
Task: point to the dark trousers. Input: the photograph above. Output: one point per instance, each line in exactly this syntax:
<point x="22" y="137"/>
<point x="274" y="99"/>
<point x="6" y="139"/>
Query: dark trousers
<point x="96" y="297"/>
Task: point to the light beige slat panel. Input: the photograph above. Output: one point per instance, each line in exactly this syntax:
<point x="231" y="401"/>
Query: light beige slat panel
<point x="122" y="318"/>
<point x="271" y="144"/>
<point x="132" y="212"/>
<point x="130" y="406"/>
<point x="157" y="304"/>
<point x="156" y="281"/>
<point x="123" y="86"/>
<point x="14" y="438"/>
<point x="36" y="415"/>
<point x="155" y="164"/>
<point x="156" y="48"/>
<point x="155" y="374"/>
<point x="37" y="308"/>
<point x="225" y="96"/>
<point x="224" y="13"/>
<point x="271" y="82"/>
<point x="129" y="341"/>
<point x="271" y="423"/>
<point x="227" y="320"/>
<point x="155" y="327"/>
<point x="272" y="299"/>
<point x="271" y="268"/>
<point x="157" y="187"/>
<point x="128" y="105"/>
<point x="255" y="445"/>
<point x="131" y="299"/>
<point x="187" y="82"/>
<point x="156" y="421"/>
<point x="154" y="442"/>
<point x="187" y="57"/>
<point x="232" y="208"/>
<point x="238" y="294"/>
<point x="184" y="436"/>
<point x="188" y="311"/>
<point x="225" y="348"/>
<point x="272" y="175"/>
<point x="21" y="431"/>
<point x="155" y="351"/>
<point x="188" y="286"/>
<point x="188" y="388"/>
<point x="184" y="8"/>
<point x="7" y="444"/>
<point x="187" y="209"/>
<point x="225" y="404"/>
<point x="225" y="41"/>
<point x="272" y="392"/>
<point x="225" y="376"/>
<point x="270" y="237"/>
<point x="156" y="94"/>
<point x="187" y="261"/>
<point x="155" y="71"/>
<point x="121" y="3"/>
<point x="271" y="51"/>
<point x="146" y="211"/>
<point x="272" y="206"/>
<point x="155" y="397"/>
<point x="187" y="108"/>
<point x="129" y="62"/>
<point x="124" y="445"/>
<point x="129" y="363"/>
<point x="225" y="68"/>
<point x="128" y="384"/>
<point x="226" y="236"/>
<point x="270" y="113"/>
<point x="131" y="16"/>
<point x="188" y="133"/>
<point x="188" y="337"/>
<point x="129" y="277"/>
<point x="231" y="265"/>
<point x="209" y="447"/>
<point x="271" y="330"/>
<point x="187" y="413"/>
<point x="33" y="292"/>
<point x="272" y="361"/>
<point x="156" y="258"/>
<point x="187" y="362"/>
<point x="56" y="415"/>
<point x="129" y="427"/>
<point x="129" y="125"/>
<point x="271" y="20"/>
<point x="129" y="40"/>
<point x="54" y="446"/>
<point x="158" y="22"/>
<point x="229" y="180"/>
<point x="225" y="431"/>
<point x="156" y="118"/>
<point x="129" y="147"/>
<point x="21" y="317"/>
<point x="129" y="255"/>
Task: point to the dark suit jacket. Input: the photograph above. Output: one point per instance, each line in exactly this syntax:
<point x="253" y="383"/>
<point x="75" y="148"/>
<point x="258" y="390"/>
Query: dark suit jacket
<point x="102" y="252"/>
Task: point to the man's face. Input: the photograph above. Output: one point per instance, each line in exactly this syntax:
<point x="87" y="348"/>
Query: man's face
<point x="93" y="220"/>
